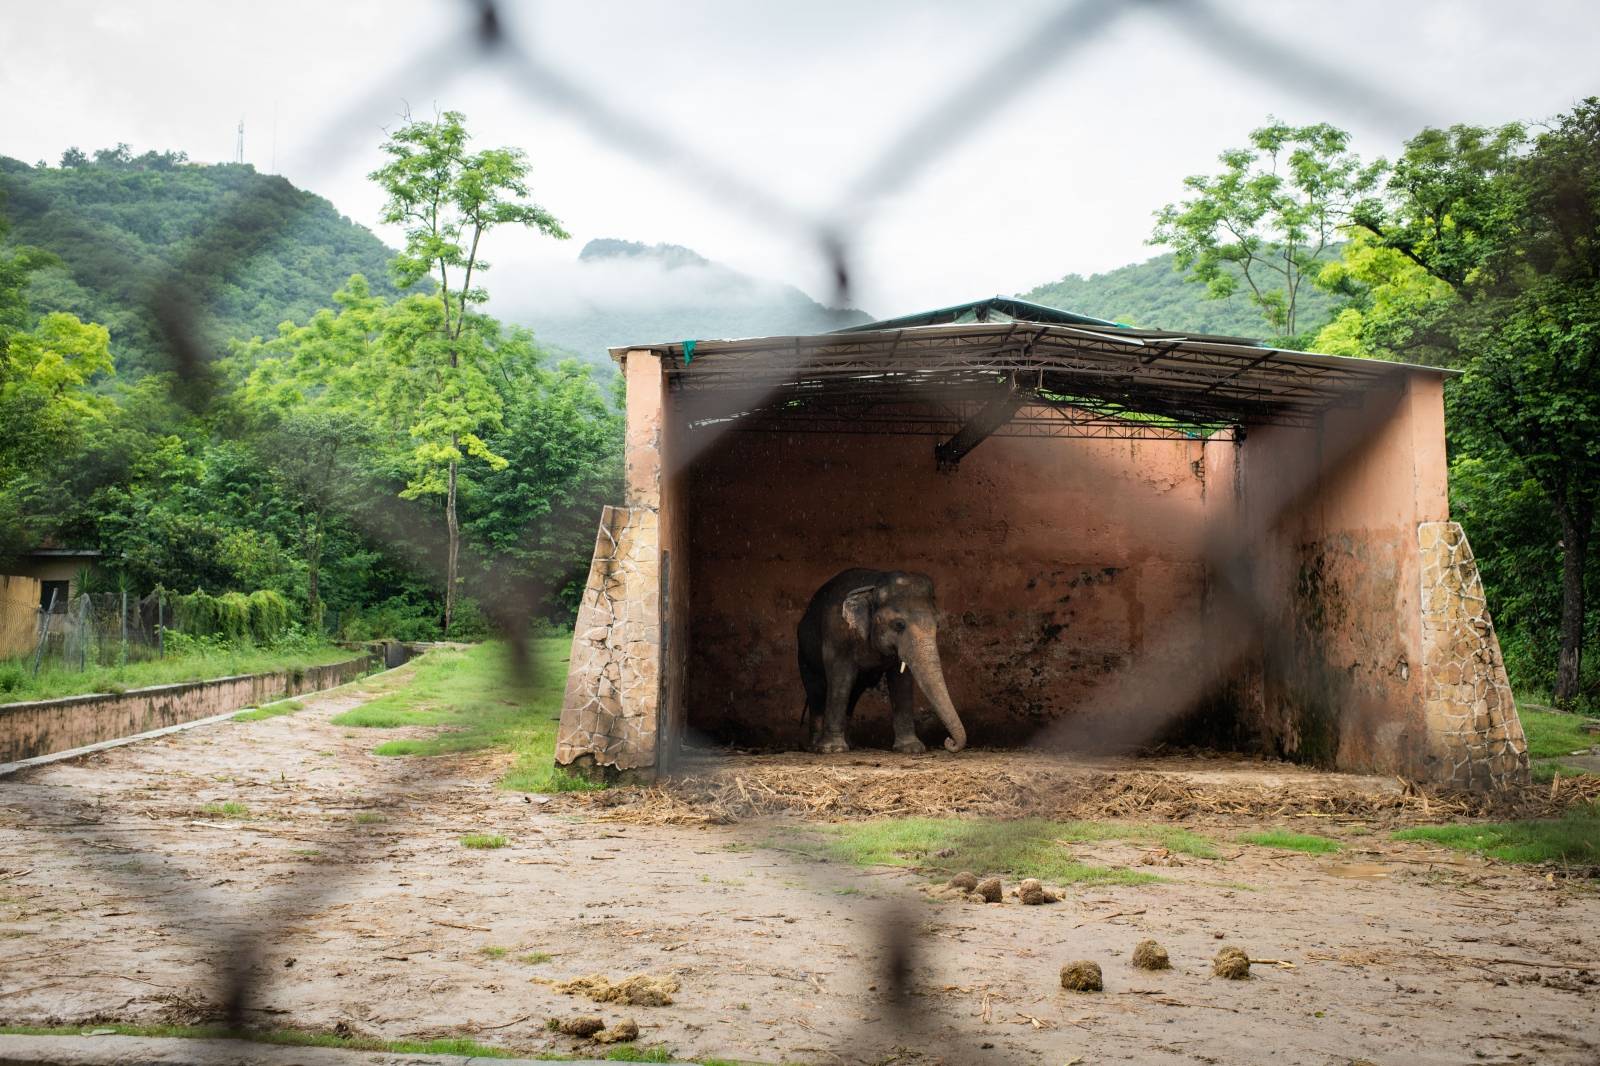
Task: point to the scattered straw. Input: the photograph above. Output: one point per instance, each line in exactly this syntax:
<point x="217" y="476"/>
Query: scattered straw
<point x="640" y="990"/>
<point x="1005" y="785"/>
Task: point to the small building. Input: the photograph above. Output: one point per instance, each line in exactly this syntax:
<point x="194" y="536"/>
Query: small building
<point x="1136" y="535"/>
<point x="58" y="571"/>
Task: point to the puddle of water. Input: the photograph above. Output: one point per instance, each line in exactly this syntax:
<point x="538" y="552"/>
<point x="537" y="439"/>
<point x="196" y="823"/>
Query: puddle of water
<point x="1361" y="871"/>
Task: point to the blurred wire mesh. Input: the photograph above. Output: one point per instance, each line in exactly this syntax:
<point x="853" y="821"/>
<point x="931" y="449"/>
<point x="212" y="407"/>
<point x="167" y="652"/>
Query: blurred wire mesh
<point x="109" y="628"/>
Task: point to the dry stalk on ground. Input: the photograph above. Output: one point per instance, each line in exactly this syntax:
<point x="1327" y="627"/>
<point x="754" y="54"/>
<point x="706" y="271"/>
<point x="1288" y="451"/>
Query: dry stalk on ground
<point x="741" y="788"/>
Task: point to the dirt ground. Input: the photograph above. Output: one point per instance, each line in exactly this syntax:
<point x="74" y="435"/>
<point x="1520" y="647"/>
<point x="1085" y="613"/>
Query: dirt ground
<point x="122" y="898"/>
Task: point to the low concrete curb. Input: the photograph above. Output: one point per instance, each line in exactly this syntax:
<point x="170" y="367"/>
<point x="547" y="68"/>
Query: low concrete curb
<point x="167" y="1051"/>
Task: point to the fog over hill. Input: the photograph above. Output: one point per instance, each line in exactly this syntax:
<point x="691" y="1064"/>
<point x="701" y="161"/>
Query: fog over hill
<point x="623" y="292"/>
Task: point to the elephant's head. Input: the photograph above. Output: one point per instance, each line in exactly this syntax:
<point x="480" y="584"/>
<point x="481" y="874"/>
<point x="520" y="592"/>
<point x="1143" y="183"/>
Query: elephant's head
<point x="897" y="618"/>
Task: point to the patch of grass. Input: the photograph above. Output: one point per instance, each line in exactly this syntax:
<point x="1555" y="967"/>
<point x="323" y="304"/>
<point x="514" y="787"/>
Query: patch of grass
<point x="486" y="841"/>
<point x="1309" y="843"/>
<point x="535" y="958"/>
<point x="1545" y="772"/>
<point x="1574" y="838"/>
<point x="471" y="694"/>
<point x="629" y="1053"/>
<point x="535" y="773"/>
<point x="385" y="712"/>
<point x="271" y="710"/>
<point x="493" y="952"/>
<point x="55" y="680"/>
<point x="230" y="809"/>
<point x="1552" y="734"/>
<point x="1029" y="847"/>
<point x="290" y="1037"/>
<point x="369" y="818"/>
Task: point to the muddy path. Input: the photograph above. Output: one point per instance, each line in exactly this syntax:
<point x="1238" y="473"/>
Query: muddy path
<point x="130" y="891"/>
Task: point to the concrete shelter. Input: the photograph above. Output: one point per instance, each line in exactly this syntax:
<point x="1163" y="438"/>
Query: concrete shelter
<point x="1136" y="535"/>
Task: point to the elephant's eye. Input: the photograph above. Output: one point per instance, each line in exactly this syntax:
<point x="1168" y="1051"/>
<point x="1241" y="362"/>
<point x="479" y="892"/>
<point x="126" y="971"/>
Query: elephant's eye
<point x="899" y="625"/>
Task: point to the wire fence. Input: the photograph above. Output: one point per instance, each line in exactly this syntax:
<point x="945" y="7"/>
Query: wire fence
<point x="236" y="936"/>
<point x="93" y="630"/>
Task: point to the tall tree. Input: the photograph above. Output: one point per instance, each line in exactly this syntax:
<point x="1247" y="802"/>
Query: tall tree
<point x="448" y="199"/>
<point x="312" y="452"/>
<point x="1267" y="221"/>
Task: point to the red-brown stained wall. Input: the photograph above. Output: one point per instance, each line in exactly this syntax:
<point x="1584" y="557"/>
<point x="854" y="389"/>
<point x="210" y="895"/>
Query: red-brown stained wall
<point x="1335" y="512"/>
<point x="1055" y="561"/>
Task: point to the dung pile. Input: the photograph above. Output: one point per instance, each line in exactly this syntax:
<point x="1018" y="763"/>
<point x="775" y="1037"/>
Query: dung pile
<point x="1148" y="955"/>
<point x="1232" y="963"/>
<point x="583" y="1026"/>
<point x="590" y="1027"/>
<point x="1032" y="893"/>
<point x="624" y="1032"/>
<point x="1081" y="976"/>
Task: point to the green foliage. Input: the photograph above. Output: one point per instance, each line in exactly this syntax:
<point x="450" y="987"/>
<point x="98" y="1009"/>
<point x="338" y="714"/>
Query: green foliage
<point x="1502" y="236"/>
<point x="484" y="841"/>
<point x="1309" y="843"/>
<point x="1263" y="225"/>
<point x="187" y="659"/>
<point x="321" y="469"/>
<point x="260" y="617"/>
<point x="438" y="374"/>
<point x="1155" y="294"/>
<point x="251" y="248"/>
<point x="563" y="444"/>
<point x="1574" y="838"/>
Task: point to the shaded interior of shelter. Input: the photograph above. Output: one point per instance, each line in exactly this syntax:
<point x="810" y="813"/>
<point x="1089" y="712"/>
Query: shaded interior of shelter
<point x="1127" y="558"/>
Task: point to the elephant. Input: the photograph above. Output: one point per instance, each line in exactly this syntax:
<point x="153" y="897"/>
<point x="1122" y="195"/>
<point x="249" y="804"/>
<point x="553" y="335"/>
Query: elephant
<point x="861" y="625"/>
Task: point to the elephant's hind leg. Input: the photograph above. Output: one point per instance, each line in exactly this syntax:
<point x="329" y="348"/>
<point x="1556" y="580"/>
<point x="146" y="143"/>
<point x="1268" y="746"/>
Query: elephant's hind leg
<point x="841" y="679"/>
<point x="816" y="686"/>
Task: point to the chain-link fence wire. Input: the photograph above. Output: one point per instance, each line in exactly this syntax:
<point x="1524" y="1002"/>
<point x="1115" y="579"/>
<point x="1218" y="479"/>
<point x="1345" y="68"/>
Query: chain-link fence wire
<point x="94" y="630"/>
<point x="1131" y="710"/>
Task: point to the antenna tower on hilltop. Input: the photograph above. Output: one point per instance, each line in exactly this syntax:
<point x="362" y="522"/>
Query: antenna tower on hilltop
<point x="238" y="145"/>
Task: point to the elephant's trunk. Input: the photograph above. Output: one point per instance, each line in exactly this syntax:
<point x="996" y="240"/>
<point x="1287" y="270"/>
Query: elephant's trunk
<point x="923" y="656"/>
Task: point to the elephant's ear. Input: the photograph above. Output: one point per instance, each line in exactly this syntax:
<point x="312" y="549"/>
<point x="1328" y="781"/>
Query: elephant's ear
<point x="857" y="610"/>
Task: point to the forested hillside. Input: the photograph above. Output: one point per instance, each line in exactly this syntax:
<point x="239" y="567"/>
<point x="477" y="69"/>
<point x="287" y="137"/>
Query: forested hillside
<point x="627" y="292"/>
<point x="253" y="247"/>
<point x="331" y="463"/>
<point x="1153" y="295"/>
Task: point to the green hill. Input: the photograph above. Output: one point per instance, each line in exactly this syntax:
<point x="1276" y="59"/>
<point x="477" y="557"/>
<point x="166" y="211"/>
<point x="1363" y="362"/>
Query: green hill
<point x="251" y="247"/>
<point x="1153" y="295"/>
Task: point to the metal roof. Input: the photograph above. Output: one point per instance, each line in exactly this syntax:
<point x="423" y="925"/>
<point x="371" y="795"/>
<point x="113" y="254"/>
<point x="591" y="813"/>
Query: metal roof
<point x="992" y="309"/>
<point x="1067" y="376"/>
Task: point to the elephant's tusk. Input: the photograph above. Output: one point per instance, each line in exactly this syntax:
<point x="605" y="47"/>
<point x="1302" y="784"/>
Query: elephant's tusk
<point x="902" y="666"/>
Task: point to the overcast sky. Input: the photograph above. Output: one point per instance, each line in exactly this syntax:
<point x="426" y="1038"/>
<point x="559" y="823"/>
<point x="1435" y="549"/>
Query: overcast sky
<point x="796" y="99"/>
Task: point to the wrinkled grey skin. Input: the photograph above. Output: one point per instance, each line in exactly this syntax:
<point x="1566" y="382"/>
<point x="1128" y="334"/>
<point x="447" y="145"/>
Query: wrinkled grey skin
<point x="860" y="626"/>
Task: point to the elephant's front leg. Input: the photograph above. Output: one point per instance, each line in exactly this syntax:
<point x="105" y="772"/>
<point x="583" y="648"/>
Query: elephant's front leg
<point x="841" y="680"/>
<point x="901" y="695"/>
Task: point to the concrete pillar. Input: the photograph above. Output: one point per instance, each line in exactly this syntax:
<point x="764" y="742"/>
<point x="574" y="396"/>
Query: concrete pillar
<point x="611" y="711"/>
